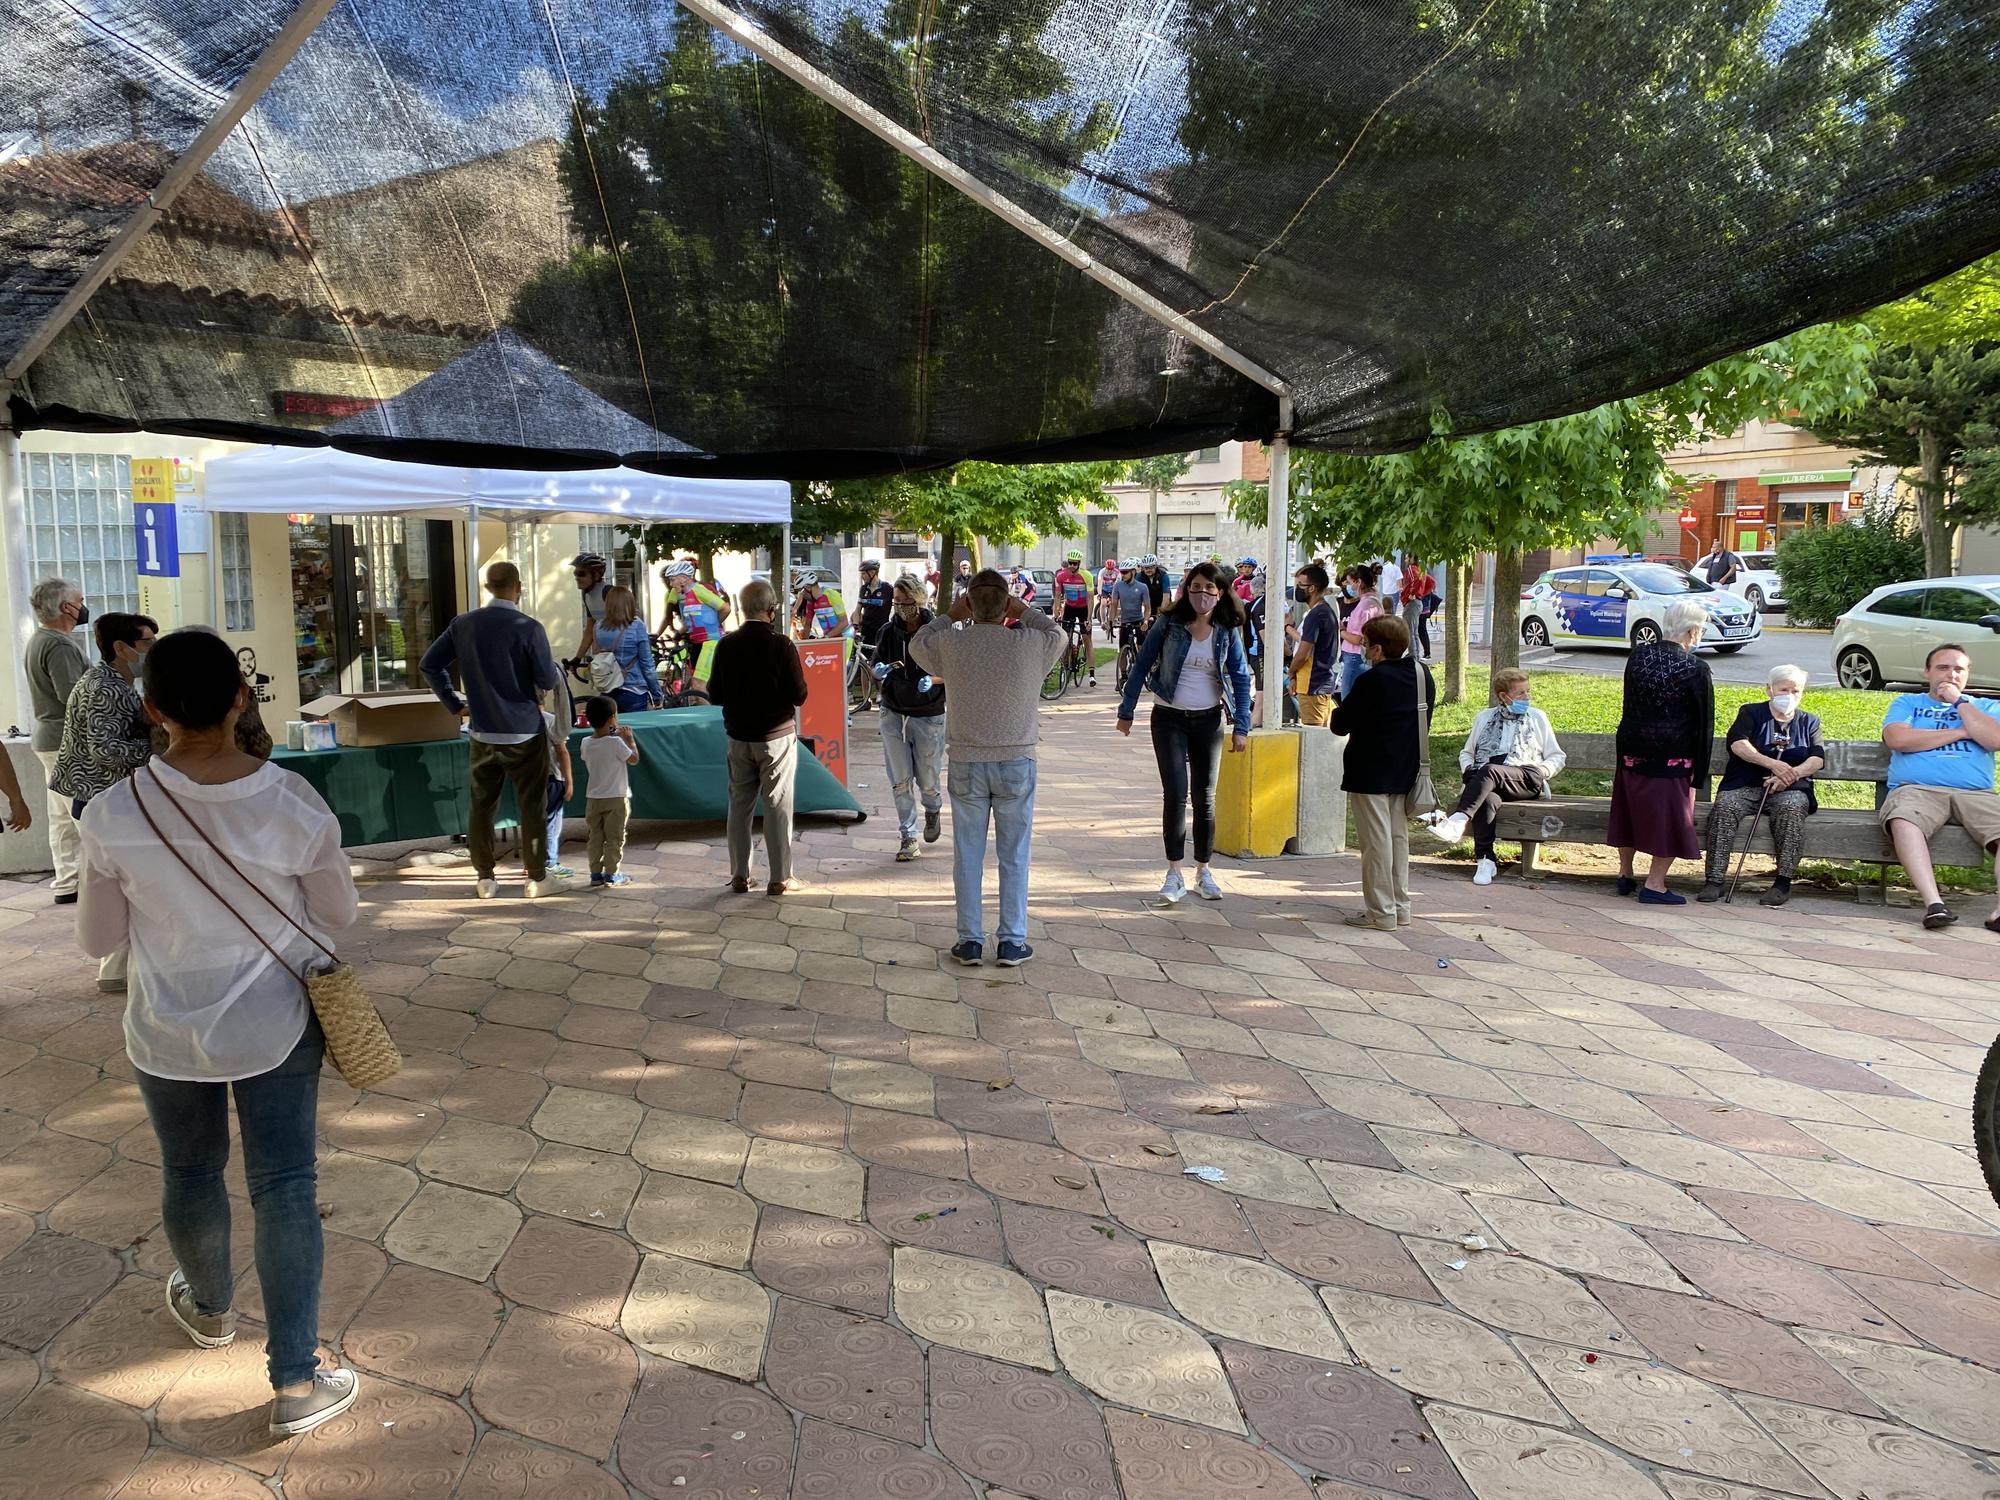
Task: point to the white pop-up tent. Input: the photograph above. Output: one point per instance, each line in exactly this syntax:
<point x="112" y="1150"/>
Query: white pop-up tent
<point x="289" y="481"/>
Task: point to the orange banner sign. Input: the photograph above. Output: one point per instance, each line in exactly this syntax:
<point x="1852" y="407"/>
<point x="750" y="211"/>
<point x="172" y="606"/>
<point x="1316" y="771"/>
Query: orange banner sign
<point x="823" y="720"/>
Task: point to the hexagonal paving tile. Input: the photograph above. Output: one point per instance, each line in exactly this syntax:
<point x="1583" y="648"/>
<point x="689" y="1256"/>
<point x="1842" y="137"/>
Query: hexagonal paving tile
<point x="1035" y="1434"/>
<point x="1854" y="1456"/>
<point x="1458" y="1162"/>
<point x="127" y="1347"/>
<point x="935" y="1212"/>
<point x="679" y="1440"/>
<point x="971" y="1305"/>
<point x="853" y="1370"/>
<point x="695" y="1220"/>
<point x="424" y="1327"/>
<point x="804" y="1177"/>
<point x="1143" y="1359"/>
<point x="47" y="1281"/>
<point x="1245" y="1299"/>
<point x="1338" y="1420"/>
<point x="451" y="1229"/>
<point x="591" y="1187"/>
<point x="836" y="1464"/>
<point x="1251" y="1169"/>
<point x="1628" y="1197"/>
<point x="1438" y="1354"/>
<point x="1662" y="1415"/>
<point x="1338" y="1249"/>
<point x="690" y="1146"/>
<point x="1518" y="1294"/>
<point x="698" y="1315"/>
<point x="1170" y="1461"/>
<point x="1081" y="1254"/>
<point x="504" y="1467"/>
<point x="1027" y="1173"/>
<point x="587" y="1118"/>
<point x="910" y="1143"/>
<point x="883" y="1085"/>
<point x="558" y="1381"/>
<point x="569" y="1270"/>
<point x="1401" y="1202"/>
<point x="1572" y="1240"/>
<point x="359" y="1195"/>
<point x="822" y="1260"/>
<point x="1936" y="1392"/>
<point x="1814" y="1234"/>
<point x="67" y="1443"/>
<point x="1509" y="1460"/>
<point x="1771" y="1285"/>
<point x="1964" y="1323"/>
<point x="1175" y="1208"/>
<point x="478" y="1154"/>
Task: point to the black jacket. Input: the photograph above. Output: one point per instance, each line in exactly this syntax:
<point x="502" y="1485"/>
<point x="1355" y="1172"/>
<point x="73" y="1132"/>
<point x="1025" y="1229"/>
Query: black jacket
<point x="1668" y="726"/>
<point x="900" y="691"/>
<point x="1379" y="718"/>
<point x="758" y="682"/>
<point x="1755" y="723"/>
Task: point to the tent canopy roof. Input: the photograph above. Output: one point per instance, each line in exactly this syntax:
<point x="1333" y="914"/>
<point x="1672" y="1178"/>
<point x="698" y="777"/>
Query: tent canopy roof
<point x="1491" y="213"/>
<point x="292" y="480"/>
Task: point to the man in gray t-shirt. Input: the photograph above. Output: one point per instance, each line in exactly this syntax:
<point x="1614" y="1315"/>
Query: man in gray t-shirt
<point x="55" y="660"/>
<point x="993" y="683"/>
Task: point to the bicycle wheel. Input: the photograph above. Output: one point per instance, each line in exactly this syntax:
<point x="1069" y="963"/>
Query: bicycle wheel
<point x="1986" y="1120"/>
<point x="1056" y="683"/>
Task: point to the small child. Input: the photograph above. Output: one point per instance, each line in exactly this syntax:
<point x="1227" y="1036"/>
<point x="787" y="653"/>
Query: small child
<point x="562" y="782"/>
<point x="608" y="755"/>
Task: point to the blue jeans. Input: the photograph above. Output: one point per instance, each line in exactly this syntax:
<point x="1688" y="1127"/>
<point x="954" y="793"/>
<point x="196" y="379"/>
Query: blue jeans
<point x="631" y="700"/>
<point x="914" y="749"/>
<point x="556" y="806"/>
<point x="276" y="1110"/>
<point x="1005" y="791"/>
<point x="1352" y="665"/>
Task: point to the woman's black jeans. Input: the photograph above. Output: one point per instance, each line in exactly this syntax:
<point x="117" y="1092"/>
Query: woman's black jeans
<point x="1188" y="745"/>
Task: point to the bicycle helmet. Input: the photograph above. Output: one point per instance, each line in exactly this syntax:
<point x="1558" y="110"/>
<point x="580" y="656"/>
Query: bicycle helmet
<point x="1073" y="555"/>
<point x="679" y="569"/>
<point x="1246" y="562"/>
<point x="1150" y="560"/>
<point x="870" y="565"/>
<point x="589" y="560"/>
<point x="804" y="578"/>
<point x="1130" y="565"/>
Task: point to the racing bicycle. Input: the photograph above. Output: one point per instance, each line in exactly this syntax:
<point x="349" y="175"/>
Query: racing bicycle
<point x="1070" y="669"/>
<point x="1128" y="648"/>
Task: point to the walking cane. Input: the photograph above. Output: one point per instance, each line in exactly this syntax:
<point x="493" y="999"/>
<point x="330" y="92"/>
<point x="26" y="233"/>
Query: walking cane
<point x="1729" y="896"/>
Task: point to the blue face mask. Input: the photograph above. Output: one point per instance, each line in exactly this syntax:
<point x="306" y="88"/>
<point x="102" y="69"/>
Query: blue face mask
<point x="1518" y="707"/>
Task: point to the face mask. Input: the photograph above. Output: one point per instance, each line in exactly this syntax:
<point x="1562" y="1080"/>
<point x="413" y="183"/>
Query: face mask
<point x="82" y="615"/>
<point x="1784" y="703"/>
<point x="1518" y="707"/>
<point x="1347" y="589"/>
<point x="1203" y="603"/>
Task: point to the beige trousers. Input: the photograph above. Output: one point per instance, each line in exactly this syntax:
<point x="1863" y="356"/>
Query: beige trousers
<point x="1382" y="829"/>
<point x="605" y="819"/>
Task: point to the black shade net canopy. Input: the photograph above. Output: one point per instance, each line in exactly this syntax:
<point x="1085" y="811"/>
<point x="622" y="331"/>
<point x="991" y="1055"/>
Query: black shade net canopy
<point x="722" y="236"/>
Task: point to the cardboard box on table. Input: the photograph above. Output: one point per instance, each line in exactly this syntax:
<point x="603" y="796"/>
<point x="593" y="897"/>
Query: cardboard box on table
<point x="363" y="719"/>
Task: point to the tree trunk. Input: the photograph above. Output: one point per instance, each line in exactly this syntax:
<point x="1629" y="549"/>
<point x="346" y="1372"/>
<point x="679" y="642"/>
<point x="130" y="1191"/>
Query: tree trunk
<point x="1504" y="650"/>
<point x="1457" y="583"/>
<point x="1937" y="531"/>
<point x="947" y="569"/>
<point x="704" y="564"/>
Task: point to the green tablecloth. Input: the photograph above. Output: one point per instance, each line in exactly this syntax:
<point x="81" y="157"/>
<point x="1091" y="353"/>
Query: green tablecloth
<point x="387" y="794"/>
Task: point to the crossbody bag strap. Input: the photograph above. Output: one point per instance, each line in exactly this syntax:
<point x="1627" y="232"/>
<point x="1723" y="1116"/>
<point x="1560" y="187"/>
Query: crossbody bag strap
<point x="248" y="926"/>
<point x="1423" y="717"/>
<point x="229" y="863"/>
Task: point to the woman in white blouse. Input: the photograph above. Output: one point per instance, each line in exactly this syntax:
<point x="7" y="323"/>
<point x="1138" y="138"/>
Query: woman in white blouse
<point x="171" y="856"/>
<point x="1194" y="662"/>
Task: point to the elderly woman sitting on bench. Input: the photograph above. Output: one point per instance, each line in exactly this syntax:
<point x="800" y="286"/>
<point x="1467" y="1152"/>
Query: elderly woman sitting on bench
<point x="1775" y="749"/>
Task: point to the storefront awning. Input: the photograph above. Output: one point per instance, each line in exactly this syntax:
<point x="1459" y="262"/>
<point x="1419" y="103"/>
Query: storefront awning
<point x="290" y="481"/>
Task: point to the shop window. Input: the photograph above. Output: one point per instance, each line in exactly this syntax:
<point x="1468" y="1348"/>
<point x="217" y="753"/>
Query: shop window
<point x="80" y="525"/>
<point x="621" y="552"/>
<point x="239" y="610"/>
<point x="1185" y="539"/>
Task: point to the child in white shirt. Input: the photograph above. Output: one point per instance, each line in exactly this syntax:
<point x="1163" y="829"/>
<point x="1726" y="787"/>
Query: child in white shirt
<point x="608" y="755"/>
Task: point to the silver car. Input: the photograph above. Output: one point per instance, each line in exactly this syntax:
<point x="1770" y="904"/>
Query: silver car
<point x="1885" y="638"/>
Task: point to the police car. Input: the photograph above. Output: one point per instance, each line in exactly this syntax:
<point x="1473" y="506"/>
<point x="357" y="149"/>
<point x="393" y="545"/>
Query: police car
<point x="1617" y="602"/>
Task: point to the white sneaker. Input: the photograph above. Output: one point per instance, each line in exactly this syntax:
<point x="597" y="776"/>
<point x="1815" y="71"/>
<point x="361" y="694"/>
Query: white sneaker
<point x="1090" y="681"/>
<point x="548" y="885"/>
<point x="1172" y="888"/>
<point x="1449" y="829"/>
<point x="1484" y="871"/>
<point x="1205" y="886"/>
<point x="486" y="890"/>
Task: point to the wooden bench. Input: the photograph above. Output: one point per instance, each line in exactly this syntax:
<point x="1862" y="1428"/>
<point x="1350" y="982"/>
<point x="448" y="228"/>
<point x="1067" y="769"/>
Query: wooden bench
<point x="1837" y="833"/>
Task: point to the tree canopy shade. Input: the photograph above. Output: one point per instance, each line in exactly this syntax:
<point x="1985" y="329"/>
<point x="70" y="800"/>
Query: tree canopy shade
<point x="1422" y="215"/>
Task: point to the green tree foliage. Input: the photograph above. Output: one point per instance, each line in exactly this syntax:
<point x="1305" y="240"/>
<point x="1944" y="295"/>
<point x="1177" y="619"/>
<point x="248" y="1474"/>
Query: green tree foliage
<point x="1158" y="474"/>
<point x="787" y="279"/>
<point x="1828" y="569"/>
<point x="1565" y="482"/>
<point x="1963" y="308"/>
<point x="1931" y="413"/>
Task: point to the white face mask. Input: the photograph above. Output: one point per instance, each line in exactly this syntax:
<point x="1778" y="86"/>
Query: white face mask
<point x="1784" y="703"/>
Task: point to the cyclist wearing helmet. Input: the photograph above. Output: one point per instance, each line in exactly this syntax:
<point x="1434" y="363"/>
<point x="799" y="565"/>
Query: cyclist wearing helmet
<point x="699" y="611"/>
<point x="1072" y="602"/>
<point x="1107" y="609"/>
<point x="1134" y="603"/>
<point x="1245" y="582"/>
<point x="817" y="612"/>
<point x="1155" y="578"/>
<point x="588" y="569"/>
<point x="877" y="599"/>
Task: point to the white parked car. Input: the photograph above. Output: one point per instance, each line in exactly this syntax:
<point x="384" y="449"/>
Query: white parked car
<point x="1617" y="604"/>
<point x="1884" y="638"/>
<point x="1758" y="581"/>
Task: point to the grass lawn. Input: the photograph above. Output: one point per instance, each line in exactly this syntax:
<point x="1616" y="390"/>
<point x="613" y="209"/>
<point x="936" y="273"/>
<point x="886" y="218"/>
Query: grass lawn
<point x="1581" y="703"/>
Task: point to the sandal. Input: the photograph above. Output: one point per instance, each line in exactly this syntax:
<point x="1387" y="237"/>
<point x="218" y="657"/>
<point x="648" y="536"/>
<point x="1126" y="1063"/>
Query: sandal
<point x="1937" y="915"/>
<point x="740" y="884"/>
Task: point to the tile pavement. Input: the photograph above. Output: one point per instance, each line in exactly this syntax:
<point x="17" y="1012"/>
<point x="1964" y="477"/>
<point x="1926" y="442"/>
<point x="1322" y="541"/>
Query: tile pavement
<point x="686" y="1194"/>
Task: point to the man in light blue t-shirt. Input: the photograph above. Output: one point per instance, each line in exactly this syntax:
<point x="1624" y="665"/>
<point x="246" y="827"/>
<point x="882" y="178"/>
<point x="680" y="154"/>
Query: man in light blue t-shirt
<point x="1941" y="746"/>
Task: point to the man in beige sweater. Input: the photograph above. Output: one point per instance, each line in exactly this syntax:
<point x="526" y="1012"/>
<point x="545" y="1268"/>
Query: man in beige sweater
<point x="993" y="679"/>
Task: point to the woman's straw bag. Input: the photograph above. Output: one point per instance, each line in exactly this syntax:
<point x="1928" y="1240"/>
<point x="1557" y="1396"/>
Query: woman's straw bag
<point x="357" y="1041"/>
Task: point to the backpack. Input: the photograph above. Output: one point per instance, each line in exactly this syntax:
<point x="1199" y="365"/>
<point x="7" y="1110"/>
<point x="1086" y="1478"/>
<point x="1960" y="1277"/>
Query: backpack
<point x="606" y="676"/>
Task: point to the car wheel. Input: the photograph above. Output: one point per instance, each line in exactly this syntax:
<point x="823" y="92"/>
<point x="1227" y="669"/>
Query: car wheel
<point x="1534" y="633"/>
<point x="1645" y="633"/>
<point x="1755" y="596"/>
<point x="1856" y="667"/>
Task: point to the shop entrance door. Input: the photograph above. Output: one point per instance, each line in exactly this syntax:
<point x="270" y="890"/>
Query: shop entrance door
<point x="369" y="595"/>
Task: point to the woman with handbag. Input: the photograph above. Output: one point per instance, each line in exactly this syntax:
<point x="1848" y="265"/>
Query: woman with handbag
<point x="628" y="678"/>
<point x="223" y="873"/>
<point x="1386" y="774"/>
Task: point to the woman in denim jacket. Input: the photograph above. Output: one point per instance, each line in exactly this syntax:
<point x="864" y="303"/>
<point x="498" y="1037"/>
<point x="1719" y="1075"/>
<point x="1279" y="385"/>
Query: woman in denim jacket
<point x="1193" y="661"/>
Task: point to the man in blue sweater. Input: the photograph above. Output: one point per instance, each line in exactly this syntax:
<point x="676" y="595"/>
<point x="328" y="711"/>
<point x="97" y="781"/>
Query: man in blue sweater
<point x="503" y="658"/>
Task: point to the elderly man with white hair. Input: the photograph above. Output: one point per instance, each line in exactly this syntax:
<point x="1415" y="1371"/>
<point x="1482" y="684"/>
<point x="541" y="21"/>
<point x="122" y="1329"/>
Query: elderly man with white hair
<point x="1775" y="749"/>
<point x="1665" y="738"/>
<point x="56" y="659"/>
